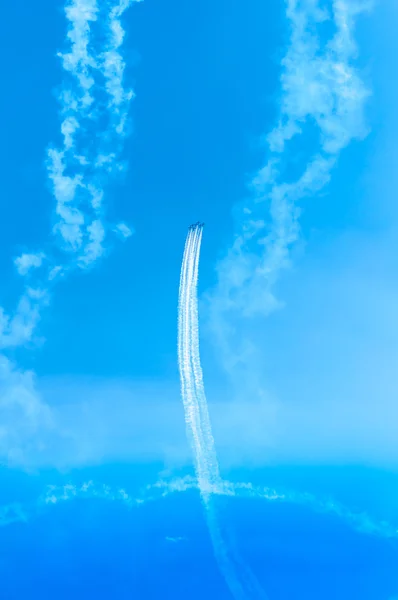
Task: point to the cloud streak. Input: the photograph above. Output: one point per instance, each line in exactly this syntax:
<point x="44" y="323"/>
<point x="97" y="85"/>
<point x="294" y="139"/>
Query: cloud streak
<point x="94" y="107"/>
<point x="322" y="94"/>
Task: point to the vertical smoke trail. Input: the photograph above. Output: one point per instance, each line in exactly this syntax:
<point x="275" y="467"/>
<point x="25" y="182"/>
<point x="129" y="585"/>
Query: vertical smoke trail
<point x="184" y="359"/>
<point x="238" y="577"/>
<point x="205" y="426"/>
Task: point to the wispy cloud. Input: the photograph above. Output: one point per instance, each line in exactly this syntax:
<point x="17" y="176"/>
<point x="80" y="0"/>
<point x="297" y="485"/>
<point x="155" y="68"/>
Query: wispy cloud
<point x="307" y="423"/>
<point x="124" y="230"/>
<point x="94" y="108"/>
<point x="321" y="88"/>
<point x="114" y="66"/>
<point x="319" y="81"/>
<point x="13" y="513"/>
<point x="24" y="417"/>
<point x="25" y="262"/>
<point x="18" y="329"/>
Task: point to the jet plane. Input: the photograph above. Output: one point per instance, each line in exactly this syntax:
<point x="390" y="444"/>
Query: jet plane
<point x="196" y="225"/>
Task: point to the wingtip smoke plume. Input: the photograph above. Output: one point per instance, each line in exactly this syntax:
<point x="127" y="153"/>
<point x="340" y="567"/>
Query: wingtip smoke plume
<point x="239" y="579"/>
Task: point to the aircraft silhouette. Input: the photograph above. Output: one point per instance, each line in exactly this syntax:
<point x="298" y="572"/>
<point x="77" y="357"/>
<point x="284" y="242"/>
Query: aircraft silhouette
<point x="196" y="225"/>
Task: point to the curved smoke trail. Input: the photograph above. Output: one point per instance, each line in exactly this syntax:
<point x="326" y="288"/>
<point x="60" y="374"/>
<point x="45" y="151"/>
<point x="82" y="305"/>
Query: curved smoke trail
<point x="239" y="579"/>
<point x="204" y="417"/>
<point x="184" y="359"/>
<point x="360" y="522"/>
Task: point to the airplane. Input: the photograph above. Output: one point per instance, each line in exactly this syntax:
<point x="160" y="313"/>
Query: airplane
<point x="196" y="225"/>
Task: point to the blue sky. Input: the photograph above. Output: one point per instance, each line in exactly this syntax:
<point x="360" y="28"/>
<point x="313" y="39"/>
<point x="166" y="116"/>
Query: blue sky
<point x="275" y="124"/>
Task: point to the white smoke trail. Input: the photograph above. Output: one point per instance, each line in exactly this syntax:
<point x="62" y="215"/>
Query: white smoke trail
<point x="184" y="359"/>
<point x="205" y="426"/>
<point x="240" y="581"/>
<point x="360" y="522"/>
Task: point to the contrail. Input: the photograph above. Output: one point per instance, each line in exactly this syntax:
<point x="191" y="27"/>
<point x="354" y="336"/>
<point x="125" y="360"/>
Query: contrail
<point x="204" y="418"/>
<point x="191" y="408"/>
<point x="241" y="582"/>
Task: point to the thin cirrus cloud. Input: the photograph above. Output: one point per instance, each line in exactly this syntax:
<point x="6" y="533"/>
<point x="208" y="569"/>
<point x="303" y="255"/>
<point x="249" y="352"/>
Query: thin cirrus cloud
<point x="321" y="90"/>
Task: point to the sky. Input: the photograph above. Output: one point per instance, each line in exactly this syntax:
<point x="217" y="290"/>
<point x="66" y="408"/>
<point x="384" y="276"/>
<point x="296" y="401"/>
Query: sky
<point x="275" y="124"/>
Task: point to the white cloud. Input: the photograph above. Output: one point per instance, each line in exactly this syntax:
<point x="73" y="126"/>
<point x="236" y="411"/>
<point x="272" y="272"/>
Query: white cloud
<point x="68" y="128"/>
<point x="79" y="169"/>
<point x="94" y="247"/>
<point x="114" y="66"/>
<point x="26" y="262"/>
<point x="79" y="61"/>
<point x="71" y="219"/>
<point x="25" y="419"/>
<point x="18" y="329"/>
<point x="321" y="88"/>
<point x="77" y="174"/>
<point x="56" y="271"/>
<point x="319" y="81"/>
<point x="124" y="230"/>
<point x="13" y="513"/>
